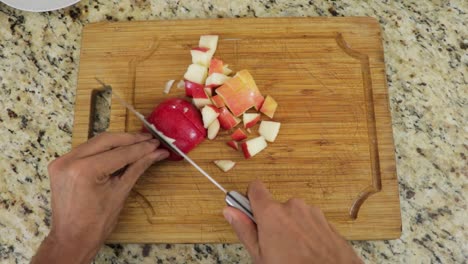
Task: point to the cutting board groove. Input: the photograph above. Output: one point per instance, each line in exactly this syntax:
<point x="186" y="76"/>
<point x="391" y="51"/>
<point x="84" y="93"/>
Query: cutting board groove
<point x="335" y="147"/>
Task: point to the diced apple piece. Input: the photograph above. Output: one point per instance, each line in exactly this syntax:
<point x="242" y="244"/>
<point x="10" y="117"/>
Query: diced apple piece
<point x="196" y="73"/>
<point x="250" y="119"/>
<point x="216" y="66"/>
<point x="190" y="87"/>
<point x="247" y="78"/>
<point x="269" y="106"/>
<point x="226" y="70"/>
<point x="249" y="130"/>
<point x="253" y="146"/>
<point x="201" y="102"/>
<point x="198" y="91"/>
<point x="226" y="119"/>
<point x="239" y="135"/>
<point x="209" y="41"/>
<point x="213" y="129"/>
<point x="181" y="84"/>
<point x="233" y="144"/>
<point x="201" y="56"/>
<point x="216" y="79"/>
<point x="217" y="101"/>
<point x="168" y="86"/>
<point x="225" y="165"/>
<point x="208" y="91"/>
<point x="209" y="114"/>
<point x="269" y="130"/>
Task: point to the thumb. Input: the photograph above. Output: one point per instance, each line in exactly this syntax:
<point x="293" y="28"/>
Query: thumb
<point x="245" y="229"/>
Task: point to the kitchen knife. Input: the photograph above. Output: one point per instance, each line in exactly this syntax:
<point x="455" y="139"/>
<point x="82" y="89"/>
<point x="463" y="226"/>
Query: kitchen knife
<point x="232" y="198"/>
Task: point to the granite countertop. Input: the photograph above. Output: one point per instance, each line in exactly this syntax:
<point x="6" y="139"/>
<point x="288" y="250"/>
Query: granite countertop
<point x="426" y="58"/>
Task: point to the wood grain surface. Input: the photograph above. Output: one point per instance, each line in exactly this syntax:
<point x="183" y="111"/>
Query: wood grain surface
<point x="335" y="147"/>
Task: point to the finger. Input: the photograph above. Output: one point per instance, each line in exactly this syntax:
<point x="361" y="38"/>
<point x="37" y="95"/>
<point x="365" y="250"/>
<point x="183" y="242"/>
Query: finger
<point x="259" y="196"/>
<point x="135" y="170"/>
<point x="104" y="164"/>
<point x="245" y="229"/>
<point x="107" y="141"/>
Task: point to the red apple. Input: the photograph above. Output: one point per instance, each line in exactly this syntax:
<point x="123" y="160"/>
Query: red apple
<point x="226" y="119"/>
<point x="213" y="129"/>
<point x="209" y="114"/>
<point x="253" y="146"/>
<point x="180" y="120"/>
<point x="269" y="106"/>
<point x="216" y="66"/>
<point x="250" y="119"/>
<point x="269" y="130"/>
<point x="217" y="101"/>
<point x="225" y="165"/>
<point x="233" y="144"/>
<point x="238" y="135"/>
<point x="190" y="86"/>
<point x="196" y="73"/>
<point x="201" y="56"/>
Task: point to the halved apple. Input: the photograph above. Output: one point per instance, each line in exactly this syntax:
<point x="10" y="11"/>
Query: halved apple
<point x="196" y="73"/>
<point x="233" y="144"/>
<point x="225" y="165"/>
<point x="201" y="55"/>
<point x="216" y="66"/>
<point x="209" y="114"/>
<point x="209" y="41"/>
<point x="239" y="135"/>
<point x="269" y="130"/>
<point x="269" y="107"/>
<point x="216" y="79"/>
<point x="253" y="146"/>
<point x="226" y="119"/>
<point x="250" y="119"/>
<point x="217" y="101"/>
<point x="190" y="86"/>
<point x="213" y="129"/>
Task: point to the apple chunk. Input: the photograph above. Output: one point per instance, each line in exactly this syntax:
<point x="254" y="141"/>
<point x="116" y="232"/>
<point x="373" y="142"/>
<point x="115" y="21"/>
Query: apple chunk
<point x="213" y="129"/>
<point x="216" y="79"/>
<point x="209" y="41"/>
<point x="226" y="119"/>
<point x="253" y="146"/>
<point x="269" y="130"/>
<point x="209" y="114"/>
<point x="217" y="101"/>
<point x="269" y="106"/>
<point x="239" y="135"/>
<point x="233" y="144"/>
<point x="201" y="56"/>
<point x="196" y="73"/>
<point x="216" y="66"/>
<point x="190" y="87"/>
<point x="250" y="119"/>
<point x="225" y="165"/>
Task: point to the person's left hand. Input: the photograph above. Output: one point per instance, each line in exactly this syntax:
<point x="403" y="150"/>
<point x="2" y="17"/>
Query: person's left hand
<point x="87" y="195"/>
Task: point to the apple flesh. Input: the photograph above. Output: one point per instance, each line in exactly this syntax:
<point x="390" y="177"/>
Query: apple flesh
<point x="209" y="113"/>
<point x="201" y="56"/>
<point x="226" y="70"/>
<point x="209" y="41"/>
<point x="196" y="73"/>
<point x="269" y="106"/>
<point x="217" y="101"/>
<point x="213" y="129"/>
<point x="238" y="135"/>
<point x="269" y="130"/>
<point x="200" y="98"/>
<point x="216" y="79"/>
<point x="253" y="146"/>
<point x="190" y="86"/>
<point x="181" y="121"/>
<point x="225" y="165"/>
<point x="233" y="144"/>
<point x="250" y="119"/>
<point x="216" y="66"/>
<point x="226" y="119"/>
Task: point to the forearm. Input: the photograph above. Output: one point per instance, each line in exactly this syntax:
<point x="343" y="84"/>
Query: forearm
<point x="53" y="251"/>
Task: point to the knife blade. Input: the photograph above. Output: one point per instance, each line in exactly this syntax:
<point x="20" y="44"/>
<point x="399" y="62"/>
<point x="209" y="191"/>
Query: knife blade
<point x="232" y="198"/>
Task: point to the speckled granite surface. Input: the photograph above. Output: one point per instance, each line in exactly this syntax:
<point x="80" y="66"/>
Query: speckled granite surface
<point x="427" y="60"/>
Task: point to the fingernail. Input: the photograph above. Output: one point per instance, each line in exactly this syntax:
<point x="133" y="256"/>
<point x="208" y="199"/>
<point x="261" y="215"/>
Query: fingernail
<point x="227" y="215"/>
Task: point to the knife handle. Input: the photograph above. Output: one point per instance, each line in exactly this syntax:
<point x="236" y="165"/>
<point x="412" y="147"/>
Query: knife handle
<point x="238" y="201"/>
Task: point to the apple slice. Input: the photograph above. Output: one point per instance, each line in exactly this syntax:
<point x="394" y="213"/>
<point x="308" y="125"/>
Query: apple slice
<point x="238" y="135"/>
<point x="190" y="87"/>
<point x="226" y="70"/>
<point x="269" y="130"/>
<point x="217" y="101"/>
<point x="216" y="79"/>
<point x="213" y="129"/>
<point x="196" y="73"/>
<point x="201" y="56"/>
<point x="253" y="146"/>
<point x="216" y="66"/>
<point x="226" y="119"/>
<point x="225" y="165"/>
<point x="209" y="114"/>
<point x="250" y="119"/>
<point x="209" y="41"/>
<point x="233" y="144"/>
<point x="269" y="106"/>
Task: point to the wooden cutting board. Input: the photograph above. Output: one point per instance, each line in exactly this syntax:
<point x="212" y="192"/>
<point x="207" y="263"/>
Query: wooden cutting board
<point x="335" y="147"/>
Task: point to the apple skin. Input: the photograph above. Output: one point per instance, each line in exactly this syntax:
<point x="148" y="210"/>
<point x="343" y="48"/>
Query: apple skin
<point x="269" y="106"/>
<point x="180" y="120"/>
<point x="226" y="119"/>
<point x="238" y="135"/>
<point x="191" y="86"/>
<point x="216" y="66"/>
<point x="233" y="144"/>
<point x="217" y="101"/>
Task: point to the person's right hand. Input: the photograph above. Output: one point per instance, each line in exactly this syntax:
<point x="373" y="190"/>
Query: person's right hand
<point x="292" y="232"/>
